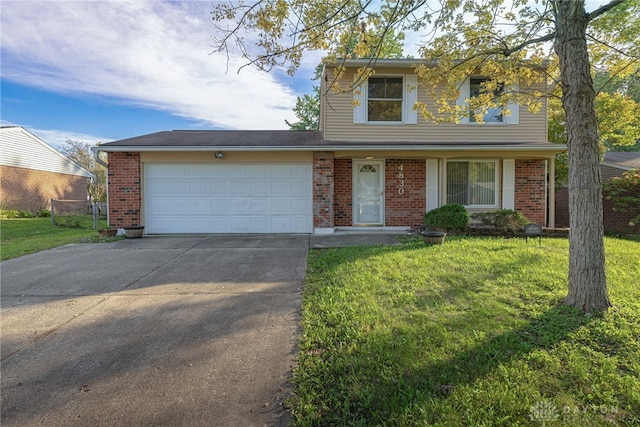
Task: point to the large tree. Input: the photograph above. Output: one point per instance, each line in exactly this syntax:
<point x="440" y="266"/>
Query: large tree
<point x="461" y="37"/>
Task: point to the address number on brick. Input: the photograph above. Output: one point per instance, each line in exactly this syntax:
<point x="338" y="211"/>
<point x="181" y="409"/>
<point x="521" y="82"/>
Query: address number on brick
<point x="401" y="179"/>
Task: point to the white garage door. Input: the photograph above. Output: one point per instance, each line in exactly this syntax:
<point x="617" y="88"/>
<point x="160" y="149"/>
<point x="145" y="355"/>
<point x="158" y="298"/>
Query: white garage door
<point x="228" y="198"/>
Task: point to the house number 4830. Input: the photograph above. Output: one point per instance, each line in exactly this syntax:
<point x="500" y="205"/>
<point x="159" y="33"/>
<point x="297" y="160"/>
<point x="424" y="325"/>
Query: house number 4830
<point x="401" y="179"/>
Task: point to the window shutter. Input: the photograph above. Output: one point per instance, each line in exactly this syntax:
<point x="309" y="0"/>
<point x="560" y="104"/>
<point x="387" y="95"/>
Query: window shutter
<point x="462" y="98"/>
<point x="514" y="108"/>
<point x="508" y="184"/>
<point x="360" y="100"/>
<point x="410" y="99"/>
<point x="432" y="184"/>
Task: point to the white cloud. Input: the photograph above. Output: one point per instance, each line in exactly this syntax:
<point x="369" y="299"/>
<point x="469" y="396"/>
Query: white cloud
<point x="146" y="52"/>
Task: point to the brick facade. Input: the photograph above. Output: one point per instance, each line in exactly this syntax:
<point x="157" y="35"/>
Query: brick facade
<point x="530" y="185"/>
<point x="405" y="192"/>
<point x="614" y="221"/>
<point x="32" y="190"/>
<point x="323" y="189"/>
<point x="124" y="189"/>
<point x="343" y="189"/>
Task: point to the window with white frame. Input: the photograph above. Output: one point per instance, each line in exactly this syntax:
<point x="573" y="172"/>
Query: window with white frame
<point x="474" y="86"/>
<point x="477" y="87"/>
<point x="472" y="183"/>
<point x="384" y="100"/>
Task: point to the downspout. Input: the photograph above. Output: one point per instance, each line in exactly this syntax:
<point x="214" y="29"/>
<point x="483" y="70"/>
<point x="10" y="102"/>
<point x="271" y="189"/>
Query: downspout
<point x="96" y="154"/>
<point x="552" y="191"/>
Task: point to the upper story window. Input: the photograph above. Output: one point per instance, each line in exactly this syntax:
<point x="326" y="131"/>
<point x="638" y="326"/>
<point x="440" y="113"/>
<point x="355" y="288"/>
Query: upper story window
<point x="474" y="86"/>
<point x="493" y="114"/>
<point x="384" y="100"/>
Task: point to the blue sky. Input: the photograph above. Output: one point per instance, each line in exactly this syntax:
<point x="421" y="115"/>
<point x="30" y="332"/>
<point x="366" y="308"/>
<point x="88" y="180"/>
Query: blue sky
<point x="101" y="71"/>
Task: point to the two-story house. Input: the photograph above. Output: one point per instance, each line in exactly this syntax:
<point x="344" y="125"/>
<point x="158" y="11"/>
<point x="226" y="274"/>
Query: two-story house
<point x="375" y="163"/>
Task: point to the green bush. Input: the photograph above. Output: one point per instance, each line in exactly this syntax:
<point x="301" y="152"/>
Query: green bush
<point x="69" y="221"/>
<point x="505" y="219"/>
<point x="9" y="213"/>
<point x="452" y="217"/>
<point x="44" y="213"/>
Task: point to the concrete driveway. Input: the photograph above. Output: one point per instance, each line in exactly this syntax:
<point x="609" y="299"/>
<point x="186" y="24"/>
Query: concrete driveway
<point x="196" y="331"/>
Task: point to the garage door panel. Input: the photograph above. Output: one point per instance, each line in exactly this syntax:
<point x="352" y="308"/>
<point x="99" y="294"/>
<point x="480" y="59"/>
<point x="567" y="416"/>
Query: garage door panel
<point x="228" y="198"/>
<point x="199" y="187"/>
<point x="219" y="187"/>
<point x="199" y="206"/>
<point x="258" y="188"/>
<point x="260" y="206"/>
<point x="219" y="206"/>
<point x="238" y="187"/>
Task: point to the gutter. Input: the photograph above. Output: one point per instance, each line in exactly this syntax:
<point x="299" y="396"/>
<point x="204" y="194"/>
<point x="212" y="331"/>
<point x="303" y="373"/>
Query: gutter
<point x="342" y="147"/>
<point x="96" y="155"/>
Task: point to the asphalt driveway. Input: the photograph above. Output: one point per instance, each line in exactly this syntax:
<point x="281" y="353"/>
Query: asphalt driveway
<point x="196" y="331"/>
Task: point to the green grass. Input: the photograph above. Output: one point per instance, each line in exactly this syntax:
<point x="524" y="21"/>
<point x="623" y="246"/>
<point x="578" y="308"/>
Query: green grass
<point x="467" y="333"/>
<point x="23" y="236"/>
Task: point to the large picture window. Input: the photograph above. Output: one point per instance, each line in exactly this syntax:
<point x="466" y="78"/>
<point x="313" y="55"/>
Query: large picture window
<point x="493" y="114"/>
<point x="472" y="183"/>
<point x="384" y="100"/>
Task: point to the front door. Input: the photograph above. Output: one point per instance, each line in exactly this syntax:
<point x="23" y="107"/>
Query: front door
<point x="368" y="192"/>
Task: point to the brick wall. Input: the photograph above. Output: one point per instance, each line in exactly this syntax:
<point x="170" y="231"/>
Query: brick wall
<point x="614" y="221"/>
<point x="343" y="189"/>
<point x="124" y="189"/>
<point x="405" y="192"/>
<point x="323" y="185"/>
<point x="530" y="183"/>
<point x="32" y="190"/>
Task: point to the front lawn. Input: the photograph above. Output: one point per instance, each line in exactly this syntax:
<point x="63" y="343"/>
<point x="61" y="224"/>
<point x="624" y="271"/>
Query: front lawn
<point x="21" y="236"/>
<point x="468" y="333"/>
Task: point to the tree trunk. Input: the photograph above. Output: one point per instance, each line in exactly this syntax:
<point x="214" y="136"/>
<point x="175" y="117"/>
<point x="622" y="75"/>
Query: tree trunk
<point x="587" y="281"/>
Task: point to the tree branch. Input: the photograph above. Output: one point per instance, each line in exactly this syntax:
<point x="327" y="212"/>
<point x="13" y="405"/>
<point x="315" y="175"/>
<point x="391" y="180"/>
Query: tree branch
<point x="546" y="38"/>
<point x="603" y="9"/>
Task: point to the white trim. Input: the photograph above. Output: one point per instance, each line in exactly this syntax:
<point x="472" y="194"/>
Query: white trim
<point x="433" y="198"/>
<point x="323" y="231"/>
<point x="514" y="109"/>
<point x="463" y="99"/>
<point x="508" y="183"/>
<point x="360" y="101"/>
<point x="541" y="147"/>
<point x="410" y="115"/>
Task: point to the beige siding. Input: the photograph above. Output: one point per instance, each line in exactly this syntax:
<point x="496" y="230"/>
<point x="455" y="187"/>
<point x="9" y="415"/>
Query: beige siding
<point x="338" y="124"/>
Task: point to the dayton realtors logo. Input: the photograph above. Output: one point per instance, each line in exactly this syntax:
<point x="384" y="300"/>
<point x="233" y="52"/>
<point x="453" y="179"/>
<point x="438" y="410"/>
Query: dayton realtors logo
<point x="544" y="411"/>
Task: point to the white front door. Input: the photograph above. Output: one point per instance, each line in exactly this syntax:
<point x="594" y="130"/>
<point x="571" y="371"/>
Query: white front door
<point x="368" y="192"/>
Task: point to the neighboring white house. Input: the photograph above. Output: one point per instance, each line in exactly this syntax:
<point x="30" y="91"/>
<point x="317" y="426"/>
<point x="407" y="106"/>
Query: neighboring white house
<point x="32" y="172"/>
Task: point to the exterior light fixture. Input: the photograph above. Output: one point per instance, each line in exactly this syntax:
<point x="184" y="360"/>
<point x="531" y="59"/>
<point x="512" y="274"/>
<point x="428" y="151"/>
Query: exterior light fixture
<point x="219" y="155"/>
